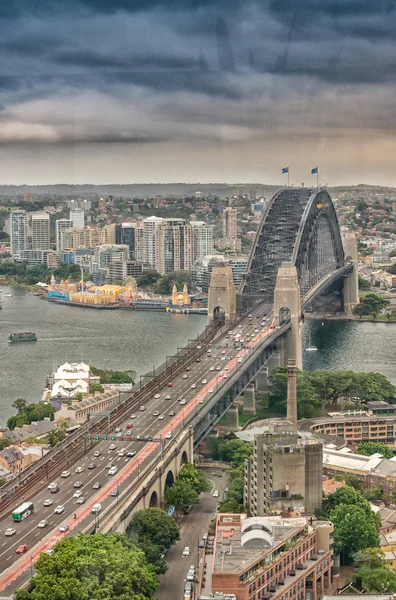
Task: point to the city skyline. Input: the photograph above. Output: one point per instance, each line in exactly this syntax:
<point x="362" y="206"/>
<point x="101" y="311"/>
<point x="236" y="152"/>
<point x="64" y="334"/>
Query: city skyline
<point x="197" y="92"/>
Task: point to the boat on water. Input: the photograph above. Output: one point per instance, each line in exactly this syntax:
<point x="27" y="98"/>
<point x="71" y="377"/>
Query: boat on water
<point x="311" y="349"/>
<point x="25" y="336"/>
<point x="8" y="295"/>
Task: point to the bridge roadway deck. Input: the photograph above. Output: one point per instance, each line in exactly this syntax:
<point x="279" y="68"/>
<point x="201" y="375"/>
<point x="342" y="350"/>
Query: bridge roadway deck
<point x="16" y="567"/>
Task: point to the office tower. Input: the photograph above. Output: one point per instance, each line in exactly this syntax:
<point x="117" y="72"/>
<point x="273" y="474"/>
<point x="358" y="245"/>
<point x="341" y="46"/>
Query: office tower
<point x="174" y="246"/>
<point x="202" y="240"/>
<point x="18" y="232"/>
<point x="60" y="226"/>
<point x="125" y="234"/>
<point x="149" y="241"/>
<point x="40" y="231"/>
<point x="77" y="217"/>
<point x="139" y="242"/>
<point x="230" y="223"/>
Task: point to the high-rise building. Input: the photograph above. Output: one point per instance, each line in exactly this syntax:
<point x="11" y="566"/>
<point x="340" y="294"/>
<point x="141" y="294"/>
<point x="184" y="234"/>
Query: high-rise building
<point x="139" y="242"/>
<point x="60" y="226"/>
<point x="41" y="231"/>
<point x="77" y="216"/>
<point x="202" y="240"/>
<point x="108" y="253"/>
<point x="174" y="246"/>
<point x="109" y="234"/>
<point x="18" y="232"/>
<point x="230" y="223"/>
<point x="150" y="226"/>
<point x="125" y="234"/>
<point x="87" y="237"/>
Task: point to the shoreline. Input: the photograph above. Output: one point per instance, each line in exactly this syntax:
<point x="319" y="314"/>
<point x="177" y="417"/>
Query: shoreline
<point x="312" y="317"/>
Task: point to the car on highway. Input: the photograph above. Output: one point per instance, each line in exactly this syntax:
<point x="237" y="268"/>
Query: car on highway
<point x="121" y="453"/>
<point x="91" y="466"/>
<point x="161" y="417"/>
<point x="240" y="360"/>
<point x="226" y="368"/>
<point x="96" y="485"/>
<point x="10" y="531"/>
<point x="131" y="454"/>
<point x="53" y="488"/>
<point x="48" y="502"/>
<point x="218" y="368"/>
<point x="211" y="391"/>
<point x="205" y="536"/>
<point x="133" y="416"/>
<point x="142" y="408"/>
<point x="129" y="425"/>
<point x="211" y="368"/>
<point x="172" y="413"/>
<point x="223" y="352"/>
<point x="114" y="492"/>
<point x="198" y="360"/>
<point x="77" y="494"/>
<point x="63" y="528"/>
<point x="80" y="500"/>
<point x="109" y="465"/>
<point x="204" y="381"/>
<point x="215" y="494"/>
<point x="112" y="471"/>
<point x="168" y="435"/>
<point x="59" y="509"/>
<point x="155" y="413"/>
<point x="183" y="402"/>
<point x="113" y="447"/>
<point x="97" y="453"/>
<point x="65" y="474"/>
<point x="43" y="524"/>
<point x="77" y="484"/>
<point x="201" y="401"/>
<point x="21" y="549"/>
<point x="186" y="552"/>
<point x="79" y="470"/>
<point x="157" y="396"/>
<point x="256" y="330"/>
<point x="185" y="376"/>
<point x="225" y="375"/>
<point x="193" y="386"/>
<point x="168" y="397"/>
<point x="170" y="384"/>
<point x="188" y="368"/>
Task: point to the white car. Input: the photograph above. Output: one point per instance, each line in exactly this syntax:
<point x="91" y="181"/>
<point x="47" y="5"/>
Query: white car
<point x="64" y="528"/>
<point x="133" y="416"/>
<point x="226" y="368"/>
<point x="48" y="502"/>
<point x="211" y="369"/>
<point x="218" y="368"/>
<point x="112" y="471"/>
<point x="113" y="447"/>
<point x="168" y="435"/>
<point x="155" y="413"/>
<point x="65" y="474"/>
<point x="185" y="376"/>
<point x="193" y="386"/>
<point x="223" y="352"/>
<point x="77" y="494"/>
<point x="204" y="381"/>
<point x="183" y="402"/>
<point x="80" y="469"/>
<point x="215" y="494"/>
<point x="186" y="552"/>
<point x="240" y="360"/>
<point x="168" y="397"/>
<point x="43" y="523"/>
<point x="201" y="401"/>
<point x="157" y="396"/>
<point x="142" y="408"/>
<point x="96" y="454"/>
<point x="10" y="531"/>
<point x="161" y="417"/>
<point x="59" y="509"/>
<point x="225" y="375"/>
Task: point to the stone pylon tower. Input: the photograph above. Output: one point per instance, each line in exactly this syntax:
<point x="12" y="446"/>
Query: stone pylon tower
<point x="351" y="281"/>
<point x="292" y="393"/>
<point x="287" y="305"/>
<point x="222" y="295"/>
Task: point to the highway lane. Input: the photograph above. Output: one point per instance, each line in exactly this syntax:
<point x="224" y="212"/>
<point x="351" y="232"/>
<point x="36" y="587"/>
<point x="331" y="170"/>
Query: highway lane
<point x="144" y="424"/>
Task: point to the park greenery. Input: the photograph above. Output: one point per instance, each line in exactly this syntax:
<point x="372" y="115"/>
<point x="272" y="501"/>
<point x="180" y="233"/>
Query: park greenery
<point x="233" y="451"/>
<point x="372" y="574"/>
<point x="93" y="567"/>
<point x="372" y="304"/>
<point x="184" y="492"/>
<point x="163" y="284"/>
<point x="107" y="376"/>
<point x="317" y="388"/>
<point x="154" y="532"/>
<point x="355" y="524"/>
<point x="370" y="448"/>
<point x="21" y="273"/>
<point x="364" y="284"/>
<point x="27" y="413"/>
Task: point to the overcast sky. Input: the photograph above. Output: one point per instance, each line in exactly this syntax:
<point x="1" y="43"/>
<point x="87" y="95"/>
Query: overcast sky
<point x="128" y="91"/>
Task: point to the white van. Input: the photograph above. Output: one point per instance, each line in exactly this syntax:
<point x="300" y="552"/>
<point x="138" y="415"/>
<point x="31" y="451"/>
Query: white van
<point x="96" y="509"/>
<point x="121" y="452"/>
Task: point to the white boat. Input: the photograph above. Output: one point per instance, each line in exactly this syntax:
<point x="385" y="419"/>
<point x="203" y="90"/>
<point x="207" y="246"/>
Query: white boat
<point x="8" y="295"/>
<point x="311" y="349"/>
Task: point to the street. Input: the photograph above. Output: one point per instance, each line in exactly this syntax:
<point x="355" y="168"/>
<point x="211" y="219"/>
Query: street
<point x="192" y="527"/>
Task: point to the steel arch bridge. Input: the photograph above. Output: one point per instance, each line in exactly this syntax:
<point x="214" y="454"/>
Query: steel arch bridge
<point x="299" y="226"/>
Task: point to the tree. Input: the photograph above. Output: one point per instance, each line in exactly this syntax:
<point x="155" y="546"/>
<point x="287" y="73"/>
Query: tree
<point x="2" y="481"/>
<point x="170" y="279"/>
<point x="193" y="477"/>
<point x="361" y="310"/>
<point x="374" y="575"/>
<point x="364" y="284"/>
<point x="233" y="501"/>
<point x="180" y="495"/>
<point x="96" y="387"/>
<point x="20" y="405"/>
<point x="308" y="401"/>
<point x="232" y="451"/>
<point x="353" y="530"/>
<point x="147" y="278"/>
<point x="94" y="567"/>
<point x="369" y="448"/>
<point x="353" y="481"/>
<point x="55" y="436"/>
<point x="4" y="443"/>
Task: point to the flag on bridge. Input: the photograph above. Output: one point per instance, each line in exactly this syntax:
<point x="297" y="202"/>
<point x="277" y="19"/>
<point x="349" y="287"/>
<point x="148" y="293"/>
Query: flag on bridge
<point x="314" y="171"/>
<point x="285" y="170"/>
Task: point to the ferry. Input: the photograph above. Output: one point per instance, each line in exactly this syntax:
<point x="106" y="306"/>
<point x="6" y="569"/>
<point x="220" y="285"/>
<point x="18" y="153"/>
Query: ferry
<point x="25" y="336"/>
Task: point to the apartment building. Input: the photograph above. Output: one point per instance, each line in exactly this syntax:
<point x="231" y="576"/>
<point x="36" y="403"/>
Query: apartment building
<point x="356" y="429"/>
<point x="150" y="226"/>
<point x="202" y="240"/>
<point x="61" y="225"/>
<point x="122" y="270"/>
<point x="77" y="217"/>
<point x="41" y="231"/>
<point x="87" y="237"/>
<point x="272" y="558"/>
<point x="18" y="228"/>
<point x="174" y="248"/>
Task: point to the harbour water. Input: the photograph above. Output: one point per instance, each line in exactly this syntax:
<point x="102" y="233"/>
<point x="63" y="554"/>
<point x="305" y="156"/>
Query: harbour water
<point x="138" y="340"/>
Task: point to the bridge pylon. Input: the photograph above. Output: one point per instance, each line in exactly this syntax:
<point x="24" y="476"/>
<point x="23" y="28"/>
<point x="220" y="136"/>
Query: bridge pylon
<point x="287" y="306"/>
<point x="222" y="295"/>
<point x="351" y="281"/>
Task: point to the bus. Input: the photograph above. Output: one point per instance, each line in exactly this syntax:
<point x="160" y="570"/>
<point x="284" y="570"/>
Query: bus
<point x="22" y="511"/>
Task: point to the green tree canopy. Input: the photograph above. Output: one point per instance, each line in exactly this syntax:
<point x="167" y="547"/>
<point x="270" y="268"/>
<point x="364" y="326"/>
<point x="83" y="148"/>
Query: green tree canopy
<point x="374" y="575"/>
<point x="308" y="400"/>
<point x="353" y="530"/>
<point x="233" y="500"/>
<point x="167" y="282"/>
<point x="93" y="567"/>
<point x="109" y="376"/>
<point x="364" y="284"/>
<point x="193" y="477"/>
<point x="232" y="451"/>
<point x="147" y="278"/>
<point x="20" y="404"/>
<point x="180" y="495"/>
<point x="369" y="448"/>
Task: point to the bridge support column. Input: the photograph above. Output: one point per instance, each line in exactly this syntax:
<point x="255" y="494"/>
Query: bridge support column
<point x="287" y="305"/>
<point x="249" y="401"/>
<point x="351" y="281"/>
<point x="222" y="295"/>
<point x="232" y="418"/>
